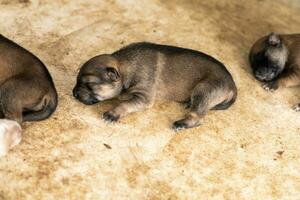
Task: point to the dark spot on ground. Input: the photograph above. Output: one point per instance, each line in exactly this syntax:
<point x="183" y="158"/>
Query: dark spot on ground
<point x="107" y="146"/>
<point x="280" y="153"/>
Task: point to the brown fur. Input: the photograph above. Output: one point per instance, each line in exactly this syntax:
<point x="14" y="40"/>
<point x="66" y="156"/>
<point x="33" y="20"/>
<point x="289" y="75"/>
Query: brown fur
<point x="145" y="72"/>
<point x="27" y="92"/>
<point x="288" y="50"/>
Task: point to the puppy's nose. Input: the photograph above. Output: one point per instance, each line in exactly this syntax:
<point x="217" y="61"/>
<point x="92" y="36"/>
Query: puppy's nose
<point x="90" y="101"/>
<point x="94" y="101"/>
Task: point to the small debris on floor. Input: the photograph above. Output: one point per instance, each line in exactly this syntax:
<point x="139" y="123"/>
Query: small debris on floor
<point x="107" y="146"/>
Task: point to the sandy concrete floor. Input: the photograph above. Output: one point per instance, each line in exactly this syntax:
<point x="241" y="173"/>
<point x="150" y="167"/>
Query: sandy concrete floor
<point x="251" y="151"/>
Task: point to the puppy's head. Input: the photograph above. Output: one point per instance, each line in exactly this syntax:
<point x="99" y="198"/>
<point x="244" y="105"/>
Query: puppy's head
<point x="268" y="57"/>
<point x="98" y="80"/>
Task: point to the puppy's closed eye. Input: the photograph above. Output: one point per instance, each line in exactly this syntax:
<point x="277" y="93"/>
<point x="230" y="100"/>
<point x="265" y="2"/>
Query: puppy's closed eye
<point x="90" y="85"/>
<point x="90" y="79"/>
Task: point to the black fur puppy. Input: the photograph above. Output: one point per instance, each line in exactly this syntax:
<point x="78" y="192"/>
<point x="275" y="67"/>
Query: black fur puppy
<point x="275" y="60"/>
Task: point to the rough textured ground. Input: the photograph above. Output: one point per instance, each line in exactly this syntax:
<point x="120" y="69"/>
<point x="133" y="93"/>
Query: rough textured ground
<point x="251" y="151"/>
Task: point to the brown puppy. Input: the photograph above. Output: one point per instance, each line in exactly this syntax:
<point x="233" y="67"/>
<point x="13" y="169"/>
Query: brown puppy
<point x="27" y="92"/>
<point x="142" y="72"/>
<point x="275" y="60"/>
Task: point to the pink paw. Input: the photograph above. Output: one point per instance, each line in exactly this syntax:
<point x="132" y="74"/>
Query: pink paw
<point x="10" y="135"/>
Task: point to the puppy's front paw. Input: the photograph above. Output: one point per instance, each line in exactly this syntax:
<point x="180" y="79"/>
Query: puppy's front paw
<point x="297" y="108"/>
<point x="270" y="86"/>
<point x="179" y="125"/>
<point x="110" y="117"/>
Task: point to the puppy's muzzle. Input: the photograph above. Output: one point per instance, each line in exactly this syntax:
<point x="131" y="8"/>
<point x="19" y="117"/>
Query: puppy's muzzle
<point x="87" y="99"/>
<point x="265" y="74"/>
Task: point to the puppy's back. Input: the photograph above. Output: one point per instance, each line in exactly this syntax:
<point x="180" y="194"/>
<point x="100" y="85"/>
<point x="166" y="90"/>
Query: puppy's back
<point x="15" y="59"/>
<point x="186" y="56"/>
<point x="176" y="70"/>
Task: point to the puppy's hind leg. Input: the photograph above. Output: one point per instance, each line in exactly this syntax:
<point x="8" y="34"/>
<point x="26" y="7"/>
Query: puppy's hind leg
<point x="17" y="94"/>
<point x="205" y="96"/>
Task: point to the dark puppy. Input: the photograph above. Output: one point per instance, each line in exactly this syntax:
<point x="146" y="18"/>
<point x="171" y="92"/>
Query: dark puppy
<point x="27" y="92"/>
<point x="142" y="72"/>
<point x="275" y="60"/>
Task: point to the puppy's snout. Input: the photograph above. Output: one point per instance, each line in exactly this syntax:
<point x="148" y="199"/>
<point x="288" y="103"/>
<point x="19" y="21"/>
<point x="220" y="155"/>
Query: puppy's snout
<point x="93" y="100"/>
<point x="89" y="101"/>
<point x="84" y="96"/>
<point x="264" y="74"/>
<point x="259" y="74"/>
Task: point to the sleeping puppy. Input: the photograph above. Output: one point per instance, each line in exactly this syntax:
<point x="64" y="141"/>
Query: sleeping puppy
<point x="142" y="72"/>
<point x="27" y="92"/>
<point x="275" y="60"/>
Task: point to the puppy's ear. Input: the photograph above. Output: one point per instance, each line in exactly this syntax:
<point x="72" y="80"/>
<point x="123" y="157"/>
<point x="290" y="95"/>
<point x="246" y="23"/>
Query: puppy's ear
<point x="113" y="74"/>
<point x="274" y="39"/>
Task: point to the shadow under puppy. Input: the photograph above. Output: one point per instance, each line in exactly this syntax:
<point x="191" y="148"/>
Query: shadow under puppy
<point x="142" y="72"/>
<point x="27" y="92"/>
<point x="275" y="60"/>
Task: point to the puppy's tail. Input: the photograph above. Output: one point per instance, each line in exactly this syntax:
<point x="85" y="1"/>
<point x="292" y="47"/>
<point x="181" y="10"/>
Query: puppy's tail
<point x="49" y="102"/>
